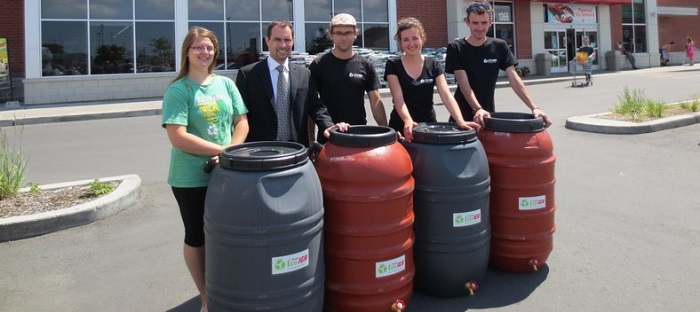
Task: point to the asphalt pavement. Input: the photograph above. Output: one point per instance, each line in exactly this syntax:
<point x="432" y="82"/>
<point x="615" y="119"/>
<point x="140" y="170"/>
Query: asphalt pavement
<point x="626" y="239"/>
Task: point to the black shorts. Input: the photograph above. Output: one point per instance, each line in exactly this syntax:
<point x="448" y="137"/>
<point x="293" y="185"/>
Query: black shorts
<point x="191" y="202"/>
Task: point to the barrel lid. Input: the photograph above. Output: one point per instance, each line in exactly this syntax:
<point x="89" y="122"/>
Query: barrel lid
<point x="513" y="122"/>
<point x="442" y="133"/>
<point x="364" y="136"/>
<point x="266" y="155"/>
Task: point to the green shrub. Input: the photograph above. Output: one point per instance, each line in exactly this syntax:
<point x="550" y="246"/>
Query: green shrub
<point x="34" y="188"/>
<point x="12" y="168"/>
<point x="631" y="103"/>
<point x="691" y="106"/>
<point x="98" y="188"/>
<point x="654" y="109"/>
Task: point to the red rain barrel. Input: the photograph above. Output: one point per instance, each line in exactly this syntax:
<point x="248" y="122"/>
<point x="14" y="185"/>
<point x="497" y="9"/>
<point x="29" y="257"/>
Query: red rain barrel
<point x="368" y="198"/>
<point x="263" y="224"/>
<point x="451" y="203"/>
<point x="521" y="164"/>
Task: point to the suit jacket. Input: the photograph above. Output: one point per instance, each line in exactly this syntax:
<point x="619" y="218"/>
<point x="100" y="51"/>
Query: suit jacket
<point x="255" y="85"/>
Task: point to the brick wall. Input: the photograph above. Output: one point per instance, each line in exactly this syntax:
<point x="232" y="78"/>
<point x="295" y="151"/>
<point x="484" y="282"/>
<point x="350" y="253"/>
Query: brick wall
<point x="677" y="27"/>
<point x="12" y="28"/>
<point x="433" y="15"/>
<point x="523" y="29"/>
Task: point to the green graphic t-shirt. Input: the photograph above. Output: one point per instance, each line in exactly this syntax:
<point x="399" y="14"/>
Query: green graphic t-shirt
<point x="207" y="111"/>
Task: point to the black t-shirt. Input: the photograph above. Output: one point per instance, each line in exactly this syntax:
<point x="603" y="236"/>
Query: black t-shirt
<point x="342" y="84"/>
<point x="482" y="65"/>
<point x="417" y="93"/>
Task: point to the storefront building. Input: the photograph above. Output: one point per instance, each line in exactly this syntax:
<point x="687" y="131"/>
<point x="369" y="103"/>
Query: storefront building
<point x="97" y="50"/>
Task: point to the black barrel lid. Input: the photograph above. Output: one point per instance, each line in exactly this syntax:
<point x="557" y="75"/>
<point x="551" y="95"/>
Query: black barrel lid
<point x="364" y="136"/>
<point x="513" y="122"/>
<point x="442" y="133"/>
<point x="266" y="155"/>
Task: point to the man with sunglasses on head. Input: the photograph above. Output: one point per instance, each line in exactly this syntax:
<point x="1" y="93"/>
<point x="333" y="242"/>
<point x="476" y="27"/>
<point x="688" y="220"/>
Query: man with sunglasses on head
<point x="342" y="77"/>
<point x="476" y="61"/>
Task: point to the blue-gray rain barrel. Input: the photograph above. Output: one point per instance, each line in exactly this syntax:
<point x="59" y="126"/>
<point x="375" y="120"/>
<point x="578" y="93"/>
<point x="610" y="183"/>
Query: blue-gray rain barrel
<point x="451" y="206"/>
<point x="263" y="225"/>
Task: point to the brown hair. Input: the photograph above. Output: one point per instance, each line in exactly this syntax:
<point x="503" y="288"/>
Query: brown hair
<point x="407" y="23"/>
<point x="279" y="23"/>
<point x="195" y="32"/>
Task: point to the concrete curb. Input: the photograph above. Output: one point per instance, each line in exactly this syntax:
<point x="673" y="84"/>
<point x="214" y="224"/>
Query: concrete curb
<point x="26" y="120"/>
<point x="590" y="123"/>
<point x="126" y="194"/>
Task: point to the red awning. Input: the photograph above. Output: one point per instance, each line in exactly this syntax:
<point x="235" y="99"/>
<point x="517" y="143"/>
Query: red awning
<point x="586" y="1"/>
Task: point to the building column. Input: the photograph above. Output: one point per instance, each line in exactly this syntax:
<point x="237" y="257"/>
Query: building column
<point x="456" y="12"/>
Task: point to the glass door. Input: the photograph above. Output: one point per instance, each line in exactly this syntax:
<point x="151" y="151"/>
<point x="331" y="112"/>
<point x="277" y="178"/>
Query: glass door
<point x="555" y="44"/>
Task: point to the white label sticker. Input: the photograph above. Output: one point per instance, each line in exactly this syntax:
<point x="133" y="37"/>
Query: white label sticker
<point x="532" y="203"/>
<point x="390" y="267"/>
<point x="290" y="263"/>
<point x="466" y="218"/>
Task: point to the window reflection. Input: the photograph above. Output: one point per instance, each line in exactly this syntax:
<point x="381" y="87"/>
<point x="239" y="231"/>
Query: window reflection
<point x="277" y="9"/>
<point x="111" y="48"/>
<point x="318" y="10"/>
<point x="317" y="38"/>
<point x="242" y="44"/>
<point x="244" y="10"/>
<point x="111" y="9"/>
<point x="376" y="36"/>
<point x="64" y="48"/>
<point x="351" y="7"/>
<point x="63" y="9"/>
<point x="206" y="10"/>
<point x="155" y="47"/>
<point x="155" y="9"/>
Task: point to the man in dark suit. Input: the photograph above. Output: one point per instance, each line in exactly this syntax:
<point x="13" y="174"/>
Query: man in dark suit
<point x="279" y="95"/>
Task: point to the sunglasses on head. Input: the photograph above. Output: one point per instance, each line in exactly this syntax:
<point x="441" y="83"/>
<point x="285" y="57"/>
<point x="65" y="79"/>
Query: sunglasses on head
<point x="478" y="5"/>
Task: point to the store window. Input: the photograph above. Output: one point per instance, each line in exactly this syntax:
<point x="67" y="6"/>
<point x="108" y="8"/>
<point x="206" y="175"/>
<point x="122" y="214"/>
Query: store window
<point x="503" y="23"/>
<point x="372" y="20"/>
<point x="634" y="29"/>
<point x="81" y="37"/>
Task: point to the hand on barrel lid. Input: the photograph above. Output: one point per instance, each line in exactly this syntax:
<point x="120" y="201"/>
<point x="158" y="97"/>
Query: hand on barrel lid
<point x="341" y="126"/>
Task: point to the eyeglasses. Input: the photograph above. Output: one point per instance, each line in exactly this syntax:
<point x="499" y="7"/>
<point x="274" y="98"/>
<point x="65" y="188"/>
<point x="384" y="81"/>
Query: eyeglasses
<point x="202" y="48"/>
<point x="478" y="5"/>
<point x="344" y="34"/>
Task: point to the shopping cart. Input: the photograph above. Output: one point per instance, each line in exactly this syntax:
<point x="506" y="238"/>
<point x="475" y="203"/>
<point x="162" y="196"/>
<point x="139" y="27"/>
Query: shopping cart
<point x="581" y="66"/>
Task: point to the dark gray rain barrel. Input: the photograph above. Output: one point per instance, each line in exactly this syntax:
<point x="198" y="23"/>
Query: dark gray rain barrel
<point x="263" y="223"/>
<point x="451" y="204"/>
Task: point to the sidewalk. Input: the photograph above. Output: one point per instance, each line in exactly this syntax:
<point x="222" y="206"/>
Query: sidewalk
<point x="48" y="113"/>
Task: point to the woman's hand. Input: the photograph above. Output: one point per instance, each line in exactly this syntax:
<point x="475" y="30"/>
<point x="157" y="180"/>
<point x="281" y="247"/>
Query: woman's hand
<point x="480" y="115"/>
<point x="341" y="126"/>
<point x="468" y="125"/>
<point x="408" y="130"/>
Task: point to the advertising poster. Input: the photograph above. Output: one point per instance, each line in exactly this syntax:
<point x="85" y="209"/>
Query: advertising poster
<point x="4" y="65"/>
<point x="561" y="13"/>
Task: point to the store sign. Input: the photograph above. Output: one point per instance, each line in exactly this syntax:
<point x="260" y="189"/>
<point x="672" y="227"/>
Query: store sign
<point x="4" y="65"/>
<point x="562" y="13"/>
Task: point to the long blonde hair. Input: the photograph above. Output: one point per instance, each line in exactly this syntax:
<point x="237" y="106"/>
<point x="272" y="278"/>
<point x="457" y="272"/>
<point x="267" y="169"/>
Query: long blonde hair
<point x="195" y="32"/>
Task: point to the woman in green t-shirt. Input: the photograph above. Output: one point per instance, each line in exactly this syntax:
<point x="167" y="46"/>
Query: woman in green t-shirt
<point x="203" y="113"/>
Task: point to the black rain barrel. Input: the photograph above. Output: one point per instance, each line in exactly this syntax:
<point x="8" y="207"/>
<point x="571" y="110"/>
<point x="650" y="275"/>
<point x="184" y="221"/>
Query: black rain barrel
<point x="451" y="206"/>
<point x="263" y="223"/>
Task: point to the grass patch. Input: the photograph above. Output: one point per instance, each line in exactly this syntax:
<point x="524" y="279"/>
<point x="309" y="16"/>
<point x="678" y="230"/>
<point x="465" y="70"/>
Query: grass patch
<point x="12" y="167"/>
<point x="634" y="106"/>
